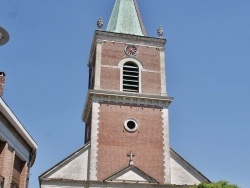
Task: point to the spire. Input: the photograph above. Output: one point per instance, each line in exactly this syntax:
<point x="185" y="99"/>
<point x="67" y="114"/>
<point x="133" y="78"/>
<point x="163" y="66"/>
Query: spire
<point x="126" y="18"/>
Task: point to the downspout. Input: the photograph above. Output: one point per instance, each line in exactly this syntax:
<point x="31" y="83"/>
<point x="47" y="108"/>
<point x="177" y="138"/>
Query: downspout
<point x="32" y="158"/>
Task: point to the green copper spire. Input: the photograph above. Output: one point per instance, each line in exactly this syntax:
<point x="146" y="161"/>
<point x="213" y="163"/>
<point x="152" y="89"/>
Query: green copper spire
<point x="126" y="18"/>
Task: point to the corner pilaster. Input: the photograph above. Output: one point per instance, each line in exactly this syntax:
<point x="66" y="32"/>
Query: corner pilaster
<point x="166" y="149"/>
<point x="98" y="65"/>
<point x="94" y="141"/>
<point x="163" y="73"/>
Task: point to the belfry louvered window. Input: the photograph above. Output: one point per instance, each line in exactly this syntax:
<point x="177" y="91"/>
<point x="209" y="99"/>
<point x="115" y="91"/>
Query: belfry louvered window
<point x="130" y="77"/>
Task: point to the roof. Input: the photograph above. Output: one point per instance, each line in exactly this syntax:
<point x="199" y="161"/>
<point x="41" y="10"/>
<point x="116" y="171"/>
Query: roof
<point x="10" y="116"/>
<point x="195" y="172"/>
<point x="64" y="161"/>
<point x="126" y="18"/>
<point x="140" y="176"/>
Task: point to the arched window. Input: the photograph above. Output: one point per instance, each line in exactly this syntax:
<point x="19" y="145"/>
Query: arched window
<point x="130" y="77"/>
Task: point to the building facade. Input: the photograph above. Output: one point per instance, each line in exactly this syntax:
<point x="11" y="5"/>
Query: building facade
<point x="17" y="147"/>
<point x="126" y="114"/>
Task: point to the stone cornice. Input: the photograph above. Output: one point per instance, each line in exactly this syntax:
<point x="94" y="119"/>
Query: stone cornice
<point x="102" y="36"/>
<point x="115" y="97"/>
<point x="110" y="184"/>
<point x="127" y="38"/>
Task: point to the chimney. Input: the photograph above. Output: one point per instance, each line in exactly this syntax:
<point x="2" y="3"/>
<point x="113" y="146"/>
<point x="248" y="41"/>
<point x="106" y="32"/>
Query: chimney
<point x="2" y="81"/>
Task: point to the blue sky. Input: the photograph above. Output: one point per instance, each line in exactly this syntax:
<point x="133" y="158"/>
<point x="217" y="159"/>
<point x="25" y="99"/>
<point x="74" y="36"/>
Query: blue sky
<point x="207" y="64"/>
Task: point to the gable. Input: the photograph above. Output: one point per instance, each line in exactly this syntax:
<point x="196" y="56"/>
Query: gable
<point x="184" y="173"/>
<point x="74" y="167"/>
<point x="131" y="174"/>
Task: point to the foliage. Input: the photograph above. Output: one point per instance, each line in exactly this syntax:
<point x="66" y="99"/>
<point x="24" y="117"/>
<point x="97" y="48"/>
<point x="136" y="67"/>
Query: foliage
<point x="219" y="184"/>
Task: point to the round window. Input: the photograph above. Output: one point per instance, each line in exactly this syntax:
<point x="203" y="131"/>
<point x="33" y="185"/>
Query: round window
<point x="131" y="125"/>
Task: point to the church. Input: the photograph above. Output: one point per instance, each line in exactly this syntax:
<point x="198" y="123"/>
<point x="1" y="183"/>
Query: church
<point x="126" y="114"/>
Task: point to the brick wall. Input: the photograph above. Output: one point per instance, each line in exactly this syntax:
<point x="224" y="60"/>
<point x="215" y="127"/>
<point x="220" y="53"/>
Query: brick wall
<point x="113" y="53"/>
<point x="114" y="142"/>
<point x="24" y="175"/>
<point x="2" y="154"/>
<point x="110" y="78"/>
<point x="7" y="156"/>
<point x="150" y="82"/>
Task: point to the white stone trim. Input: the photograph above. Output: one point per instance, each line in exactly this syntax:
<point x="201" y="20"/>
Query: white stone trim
<point x="109" y="66"/>
<point x="124" y="98"/>
<point x="120" y="65"/>
<point x="163" y="73"/>
<point x="129" y="129"/>
<point x="146" y="70"/>
<point x="98" y="65"/>
<point x="130" y="39"/>
<point x="167" y="169"/>
<point x="116" y="67"/>
<point x="94" y="141"/>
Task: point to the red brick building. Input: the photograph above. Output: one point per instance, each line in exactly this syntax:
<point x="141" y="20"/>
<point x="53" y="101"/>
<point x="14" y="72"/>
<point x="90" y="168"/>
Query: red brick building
<point x="17" y="147"/>
<point x="126" y="114"/>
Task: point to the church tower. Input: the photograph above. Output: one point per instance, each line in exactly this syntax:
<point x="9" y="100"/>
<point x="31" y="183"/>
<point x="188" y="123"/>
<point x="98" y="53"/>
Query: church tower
<point x="126" y="113"/>
<point x="127" y="107"/>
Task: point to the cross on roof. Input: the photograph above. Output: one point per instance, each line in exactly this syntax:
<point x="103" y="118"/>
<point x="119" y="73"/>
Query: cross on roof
<point x="131" y="155"/>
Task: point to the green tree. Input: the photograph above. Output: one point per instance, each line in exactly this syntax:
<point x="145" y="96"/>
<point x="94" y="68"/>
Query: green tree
<point x="219" y="184"/>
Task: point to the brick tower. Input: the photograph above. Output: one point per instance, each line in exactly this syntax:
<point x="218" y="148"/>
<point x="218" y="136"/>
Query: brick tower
<point x="127" y="107"/>
<point x="126" y="113"/>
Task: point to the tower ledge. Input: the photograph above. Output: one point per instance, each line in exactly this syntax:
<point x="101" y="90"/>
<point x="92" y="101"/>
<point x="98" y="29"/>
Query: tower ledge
<point x="124" y="98"/>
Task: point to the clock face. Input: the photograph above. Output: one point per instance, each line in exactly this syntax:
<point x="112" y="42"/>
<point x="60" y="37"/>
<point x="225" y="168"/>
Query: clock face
<point x="131" y="50"/>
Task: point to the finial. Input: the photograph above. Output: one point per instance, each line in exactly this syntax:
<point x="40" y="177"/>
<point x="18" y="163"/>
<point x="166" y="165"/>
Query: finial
<point x="160" y="31"/>
<point x="100" y="23"/>
<point x="131" y="155"/>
